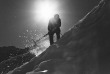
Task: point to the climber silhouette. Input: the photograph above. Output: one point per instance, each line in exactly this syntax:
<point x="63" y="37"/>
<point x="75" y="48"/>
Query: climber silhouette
<point x="54" y="27"/>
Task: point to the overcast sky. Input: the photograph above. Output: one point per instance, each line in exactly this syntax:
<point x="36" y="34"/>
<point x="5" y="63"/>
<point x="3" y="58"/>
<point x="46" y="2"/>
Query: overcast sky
<point x="17" y="22"/>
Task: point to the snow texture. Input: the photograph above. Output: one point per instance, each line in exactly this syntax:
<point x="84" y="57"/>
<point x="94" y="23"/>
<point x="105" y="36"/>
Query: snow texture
<point x="84" y="49"/>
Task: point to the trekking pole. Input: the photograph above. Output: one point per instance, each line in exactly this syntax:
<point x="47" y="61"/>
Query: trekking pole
<point x="35" y="41"/>
<point x="41" y="37"/>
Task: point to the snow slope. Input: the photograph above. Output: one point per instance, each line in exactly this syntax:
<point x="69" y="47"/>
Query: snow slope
<point x="84" y="49"/>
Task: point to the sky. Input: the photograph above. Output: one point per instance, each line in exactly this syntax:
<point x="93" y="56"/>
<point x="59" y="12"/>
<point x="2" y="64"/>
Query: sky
<point x="21" y="20"/>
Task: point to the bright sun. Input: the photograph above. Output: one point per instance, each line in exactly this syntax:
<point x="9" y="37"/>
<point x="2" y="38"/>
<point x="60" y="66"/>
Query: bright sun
<point x="45" y="10"/>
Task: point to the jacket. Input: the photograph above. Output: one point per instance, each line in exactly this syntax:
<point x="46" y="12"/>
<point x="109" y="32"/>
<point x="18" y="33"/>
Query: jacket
<point x="54" y="24"/>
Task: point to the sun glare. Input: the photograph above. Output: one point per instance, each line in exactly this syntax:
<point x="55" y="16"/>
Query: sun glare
<point x="45" y="10"/>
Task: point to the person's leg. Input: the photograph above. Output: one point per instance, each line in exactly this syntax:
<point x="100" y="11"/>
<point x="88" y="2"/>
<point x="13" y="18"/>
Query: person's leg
<point x="51" y="39"/>
<point x="58" y="34"/>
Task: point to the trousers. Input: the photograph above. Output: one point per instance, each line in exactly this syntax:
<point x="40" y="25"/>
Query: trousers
<point x="51" y="34"/>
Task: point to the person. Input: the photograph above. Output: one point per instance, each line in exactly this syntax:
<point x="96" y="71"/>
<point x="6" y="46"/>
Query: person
<point x="54" y="27"/>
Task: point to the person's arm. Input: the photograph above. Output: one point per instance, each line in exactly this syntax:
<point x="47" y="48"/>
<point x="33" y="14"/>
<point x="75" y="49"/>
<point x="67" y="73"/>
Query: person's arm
<point x="59" y="23"/>
<point x="49" y="26"/>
